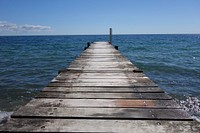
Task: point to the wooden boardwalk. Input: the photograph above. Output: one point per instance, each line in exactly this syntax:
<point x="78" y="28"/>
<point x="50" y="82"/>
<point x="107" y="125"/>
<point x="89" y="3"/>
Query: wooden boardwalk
<point x="101" y="91"/>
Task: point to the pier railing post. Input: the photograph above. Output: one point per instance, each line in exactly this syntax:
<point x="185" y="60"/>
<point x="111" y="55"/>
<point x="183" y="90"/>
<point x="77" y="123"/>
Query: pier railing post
<point x="110" y="41"/>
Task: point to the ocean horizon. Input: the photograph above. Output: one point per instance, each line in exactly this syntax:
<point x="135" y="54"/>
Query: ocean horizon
<point x="25" y="35"/>
<point x="29" y="63"/>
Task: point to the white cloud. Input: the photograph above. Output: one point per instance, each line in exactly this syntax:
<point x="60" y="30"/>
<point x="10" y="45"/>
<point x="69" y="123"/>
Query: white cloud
<point x="35" y="28"/>
<point x="6" y="26"/>
<point x="10" y="27"/>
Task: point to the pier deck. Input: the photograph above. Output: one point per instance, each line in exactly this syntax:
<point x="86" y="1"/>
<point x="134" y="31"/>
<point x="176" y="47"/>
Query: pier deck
<point x="101" y="91"/>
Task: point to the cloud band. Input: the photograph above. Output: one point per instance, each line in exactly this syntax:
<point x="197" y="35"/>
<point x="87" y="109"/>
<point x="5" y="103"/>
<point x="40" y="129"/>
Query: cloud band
<point x="10" y="27"/>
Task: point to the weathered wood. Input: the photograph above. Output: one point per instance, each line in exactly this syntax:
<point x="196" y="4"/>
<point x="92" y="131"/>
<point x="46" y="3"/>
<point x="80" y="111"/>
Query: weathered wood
<point x="103" y="80"/>
<point x="101" y="63"/>
<point x="95" y="68"/>
<point x="100" y="56"/>
<point x="102" y="60"/>
<point x="103" y="103"/>
<point x="69" y="95"/>
<point x="78" y="70"/>
<point x="99" y="113"/>
<point x="101" y="91"/>
<point x="89" y="125"/>
<point x="105" y="89"/>
<point x="105" y="65"/>
<point x="68" y="74"/>
<point x="123" y="84"/>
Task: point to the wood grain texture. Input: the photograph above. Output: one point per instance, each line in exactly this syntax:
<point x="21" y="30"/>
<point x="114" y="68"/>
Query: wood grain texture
<point x="90" y="125"/>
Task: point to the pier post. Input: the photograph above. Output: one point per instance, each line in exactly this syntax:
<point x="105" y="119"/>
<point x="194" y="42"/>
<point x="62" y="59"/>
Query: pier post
<point x="110" y="36"/>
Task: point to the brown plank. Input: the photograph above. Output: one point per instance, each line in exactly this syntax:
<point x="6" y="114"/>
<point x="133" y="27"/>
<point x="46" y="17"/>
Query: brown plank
<point x="103" y="103"/>
<point x="88" y="125"/>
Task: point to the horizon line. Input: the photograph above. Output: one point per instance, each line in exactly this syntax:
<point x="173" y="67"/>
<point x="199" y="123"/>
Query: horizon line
<point x="103" y="34"/>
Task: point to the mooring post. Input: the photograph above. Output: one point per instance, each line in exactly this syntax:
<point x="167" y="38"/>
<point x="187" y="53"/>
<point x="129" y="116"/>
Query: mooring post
<point x="110" y="36"/>
<point x="88" y="44"/>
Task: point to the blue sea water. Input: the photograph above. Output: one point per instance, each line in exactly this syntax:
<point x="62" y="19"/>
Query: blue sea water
<point x="28" y="63"/>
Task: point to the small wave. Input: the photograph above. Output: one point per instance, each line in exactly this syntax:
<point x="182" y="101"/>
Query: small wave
<point x="4" y="116"/>
<point x="192" y="106"/>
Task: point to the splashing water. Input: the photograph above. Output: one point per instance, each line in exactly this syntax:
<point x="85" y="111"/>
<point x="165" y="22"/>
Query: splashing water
<point x="192" y="106"/>
<point x="4" y="116"/>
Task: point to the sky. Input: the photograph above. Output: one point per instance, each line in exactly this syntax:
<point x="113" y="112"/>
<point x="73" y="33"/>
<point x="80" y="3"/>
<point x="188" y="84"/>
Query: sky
<point x="88" y="17"/>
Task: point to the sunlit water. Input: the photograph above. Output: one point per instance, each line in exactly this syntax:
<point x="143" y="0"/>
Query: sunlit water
<point x="28" y="63"/>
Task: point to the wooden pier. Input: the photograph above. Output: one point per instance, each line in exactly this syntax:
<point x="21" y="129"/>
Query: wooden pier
<point x="101" y="91"/>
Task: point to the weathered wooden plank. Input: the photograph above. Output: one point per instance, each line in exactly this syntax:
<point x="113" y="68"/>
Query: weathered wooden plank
<point x="101" y="47"/>
<point x="104" y="68"/>
<point x="120" y="57"/>
<point x="105" y="54"/>
<point x="103" y="60"/>
<point x="101" y="66"/>
<point x="70" y="95"/>
<point x="105" y="113"/>
<point x="77" y="70"/>
<point x="102" y="53"/>
<point x="105" y="89"/>
<point x="101" y="63"/>
<point x="122" y="84"/>
<point x="96" y="50"/>
<point x="74" y="70"/>
<point x="102" y="80"/>
<point x="99" y="51"/>
<point x="103" y="103"/>
<point x="85" y="52"/>
<point x="85" y="125"/>
<point x="100" y="75"/>
<point x="68" y="77"/>
<point x="100" y="56"/>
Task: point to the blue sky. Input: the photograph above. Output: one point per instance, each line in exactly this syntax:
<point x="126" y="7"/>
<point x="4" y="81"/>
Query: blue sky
<point x="69" y="17"/>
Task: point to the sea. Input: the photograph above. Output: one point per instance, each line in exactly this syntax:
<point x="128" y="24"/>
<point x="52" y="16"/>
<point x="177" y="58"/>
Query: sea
<point x="28" y="63"/>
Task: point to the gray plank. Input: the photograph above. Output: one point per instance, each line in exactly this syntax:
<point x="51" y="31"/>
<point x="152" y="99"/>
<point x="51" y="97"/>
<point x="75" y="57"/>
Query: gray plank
<point x="80" y="65"/>
<point x="101" y="63"/>
<point x="105" y="113"/>
<point x="100" y="56"/>
<point x="88" y="125"/>
<point x="103" y="60"/>
<point x="104" y="89"/>
<point x="104" y="68"/>
<point x="122" y="84"/>
<point x="70" y="95"/>
<point x="100" y="75"/>
<point x="78" y="70"/>
<point x="104" y="80"/>
<point x="103" y="103"/>
<point x="82" y="77"/>
<point x="105" y="54"/>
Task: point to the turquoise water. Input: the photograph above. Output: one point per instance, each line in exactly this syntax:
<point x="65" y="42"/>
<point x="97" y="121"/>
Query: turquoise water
<point x="28" y="63"/>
